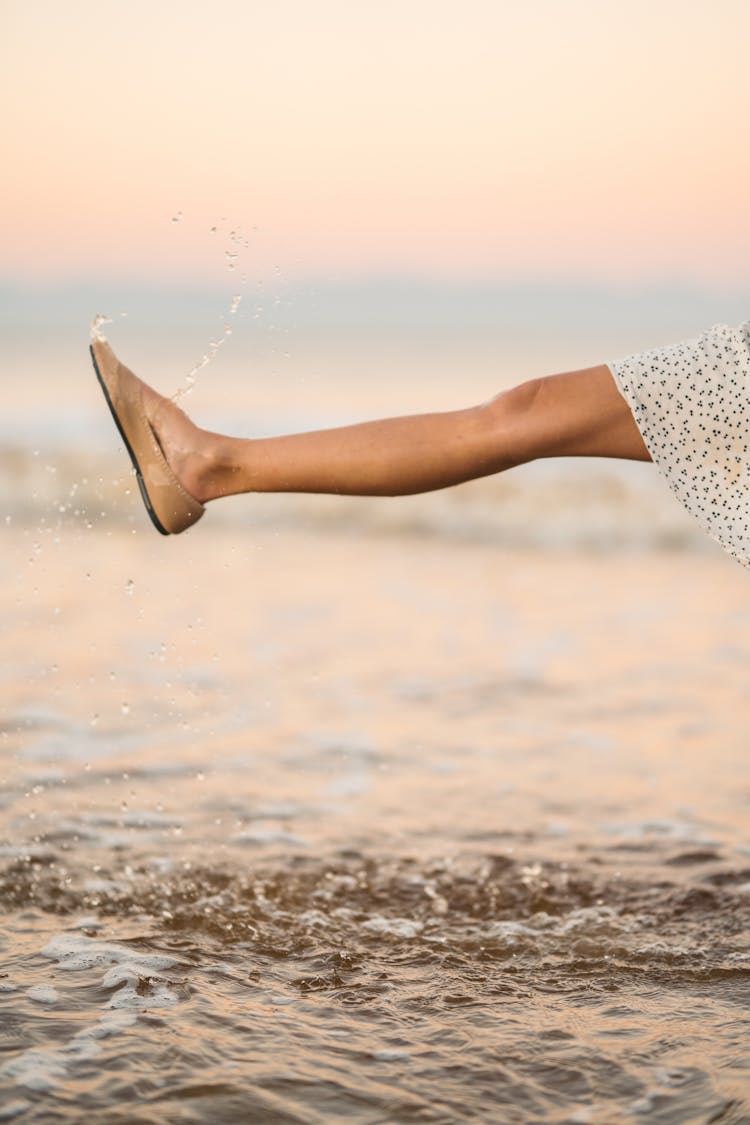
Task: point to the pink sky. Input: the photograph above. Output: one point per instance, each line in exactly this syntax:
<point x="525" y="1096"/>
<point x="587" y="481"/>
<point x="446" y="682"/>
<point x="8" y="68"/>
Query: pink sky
<point x="481" y="138"/>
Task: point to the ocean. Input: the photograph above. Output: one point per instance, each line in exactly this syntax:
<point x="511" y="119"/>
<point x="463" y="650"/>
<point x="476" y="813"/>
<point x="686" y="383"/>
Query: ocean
<point x="428" y="809"/>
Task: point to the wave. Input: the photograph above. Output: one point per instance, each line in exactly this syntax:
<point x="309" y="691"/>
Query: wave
<point x="594" y="504"/>
<point x="487" y="909"/>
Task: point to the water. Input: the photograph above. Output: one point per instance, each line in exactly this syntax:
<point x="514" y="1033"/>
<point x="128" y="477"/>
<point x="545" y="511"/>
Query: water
<point x="429" y="809"/>
<point x="343" y="990"/>
<point x="308" y="825"/>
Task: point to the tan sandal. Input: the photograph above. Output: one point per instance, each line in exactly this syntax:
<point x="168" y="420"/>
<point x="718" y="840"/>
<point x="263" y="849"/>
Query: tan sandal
<point x="172" y="509"/>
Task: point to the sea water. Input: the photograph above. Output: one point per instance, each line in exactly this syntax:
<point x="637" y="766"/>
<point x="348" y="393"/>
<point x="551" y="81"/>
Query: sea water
<point x="429" y="809"/>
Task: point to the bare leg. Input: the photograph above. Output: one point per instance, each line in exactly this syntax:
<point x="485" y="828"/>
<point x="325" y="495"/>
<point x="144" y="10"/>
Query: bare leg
<point x="576" y="414"/>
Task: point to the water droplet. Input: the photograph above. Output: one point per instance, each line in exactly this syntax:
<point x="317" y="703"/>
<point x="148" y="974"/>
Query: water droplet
<point x="97" y="324"/>
<point x="125" y="708"/>
<point x="129" y="587"/>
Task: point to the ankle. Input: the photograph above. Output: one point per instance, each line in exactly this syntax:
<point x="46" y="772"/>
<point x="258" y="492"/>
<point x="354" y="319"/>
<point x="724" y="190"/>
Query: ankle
<point x="216" y="468"/>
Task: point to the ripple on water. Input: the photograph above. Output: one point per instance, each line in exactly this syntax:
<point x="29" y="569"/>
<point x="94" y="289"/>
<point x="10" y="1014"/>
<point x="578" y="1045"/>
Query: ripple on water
<point x="485" y="907"/>
<point x="362" y="988"/>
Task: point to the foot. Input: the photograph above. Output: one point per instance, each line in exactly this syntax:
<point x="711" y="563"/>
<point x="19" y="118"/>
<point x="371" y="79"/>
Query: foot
<point x="196" y="457"/>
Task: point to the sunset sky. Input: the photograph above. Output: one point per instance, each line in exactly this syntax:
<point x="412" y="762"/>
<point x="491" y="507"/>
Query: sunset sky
<point x="510" y="139"/>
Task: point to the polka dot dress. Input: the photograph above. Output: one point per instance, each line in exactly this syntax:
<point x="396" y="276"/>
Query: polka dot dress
<point x="691" y="403"/>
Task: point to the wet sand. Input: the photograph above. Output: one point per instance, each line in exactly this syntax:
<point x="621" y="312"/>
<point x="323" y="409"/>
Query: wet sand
<point x="308" y="825"/>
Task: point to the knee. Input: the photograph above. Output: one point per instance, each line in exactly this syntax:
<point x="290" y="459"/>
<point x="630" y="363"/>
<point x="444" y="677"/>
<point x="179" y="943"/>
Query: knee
<point x="512" y="407"/>
<point x="509" y="422"/>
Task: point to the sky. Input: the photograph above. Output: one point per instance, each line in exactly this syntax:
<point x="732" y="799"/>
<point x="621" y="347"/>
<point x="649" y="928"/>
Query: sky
<point x="578" y="140"/>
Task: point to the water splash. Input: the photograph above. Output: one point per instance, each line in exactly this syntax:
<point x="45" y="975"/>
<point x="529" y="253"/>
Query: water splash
<point x="238" y="243"/>
<point x="95" y="331"/>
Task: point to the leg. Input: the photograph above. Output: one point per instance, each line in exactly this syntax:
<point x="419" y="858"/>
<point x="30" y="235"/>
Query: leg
<point x="576" y="414"/>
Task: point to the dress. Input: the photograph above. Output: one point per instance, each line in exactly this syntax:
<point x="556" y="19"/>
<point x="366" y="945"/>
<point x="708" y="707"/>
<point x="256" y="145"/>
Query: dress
<point x="691" y="403"/>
